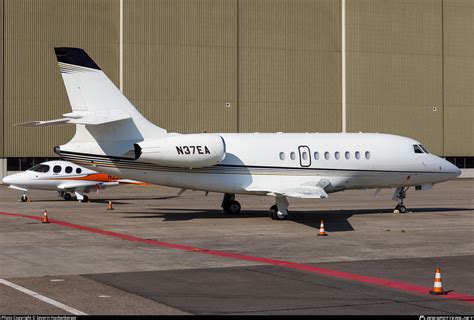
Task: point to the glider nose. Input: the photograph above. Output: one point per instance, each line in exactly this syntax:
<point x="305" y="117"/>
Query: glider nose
<point x="7" y="180"/>
<point x="12" y="179"/>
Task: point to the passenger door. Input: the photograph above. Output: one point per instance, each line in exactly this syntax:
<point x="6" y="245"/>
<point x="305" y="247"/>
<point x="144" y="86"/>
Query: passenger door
<point x="305" y="156"/>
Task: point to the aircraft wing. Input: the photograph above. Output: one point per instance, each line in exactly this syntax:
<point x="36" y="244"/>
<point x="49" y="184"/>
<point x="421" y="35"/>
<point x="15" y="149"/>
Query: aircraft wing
<point x="72" y="185"/>
<point x="304" y="192"/>
<point x="128" y="181"/>
<point x="17" y="188"/>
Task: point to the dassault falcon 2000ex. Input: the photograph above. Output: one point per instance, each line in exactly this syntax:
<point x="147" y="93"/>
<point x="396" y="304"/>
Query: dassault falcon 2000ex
<point x="113" y="137"/>
<point x="64" y="177"/>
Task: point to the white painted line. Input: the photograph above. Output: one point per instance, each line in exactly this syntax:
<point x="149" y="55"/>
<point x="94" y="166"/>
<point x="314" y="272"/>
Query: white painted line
<point x="43" y="298"/>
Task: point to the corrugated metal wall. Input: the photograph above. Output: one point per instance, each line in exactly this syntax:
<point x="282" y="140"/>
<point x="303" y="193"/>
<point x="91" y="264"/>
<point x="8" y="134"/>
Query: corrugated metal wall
<point x="33" y="85"/>
<point x="289" y="62"/>
<point x="394" y="68"/>
<point x="276" y="62"/>
<point x="459" y="77"/>
<point x="181" y="62"/>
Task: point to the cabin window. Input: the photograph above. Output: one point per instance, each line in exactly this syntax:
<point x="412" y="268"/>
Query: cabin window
<point x="357" y="155"/>
<point x="57" y="169"/>
<point x="78" y="170"/>
<point x="367" y="155"/>
<point x="326" y="155"/>
<point x="337" y="155"/>
<point x="347" y="155"/>
<point x="417" y="149"/>
<point x="316" y="155"/>
<point x="304" y="155"/>
<point x="282" y="156"/>
<point x="292" y="156"/>
<point x="40" y="168"/>
<point x="68" y="169"/>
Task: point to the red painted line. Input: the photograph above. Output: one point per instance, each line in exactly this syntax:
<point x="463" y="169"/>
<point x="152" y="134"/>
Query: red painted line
<point x="404" y="286"/>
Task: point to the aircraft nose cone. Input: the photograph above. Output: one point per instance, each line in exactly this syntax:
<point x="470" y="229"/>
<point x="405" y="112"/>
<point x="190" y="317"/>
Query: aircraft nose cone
<point x="451" y="169"/>
<point x="455" y="171"/>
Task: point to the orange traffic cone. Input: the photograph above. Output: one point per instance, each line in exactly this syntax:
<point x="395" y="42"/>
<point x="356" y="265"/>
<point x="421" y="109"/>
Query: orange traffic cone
<point x="438" y="285"/>
<point x="321" y="230"/>
<point x="109" y="207"/>
<point x="45" y="217"/>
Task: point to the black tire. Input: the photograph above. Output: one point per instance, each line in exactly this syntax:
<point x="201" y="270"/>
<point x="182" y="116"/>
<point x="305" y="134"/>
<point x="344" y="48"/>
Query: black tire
<point x="24" y="198"/>
<point x="273" y="213"/>
<point x="232" y="207"/>
<point x="402" y="209"/>
<point x="67" y="196"/>
<point x="85" y="199"/>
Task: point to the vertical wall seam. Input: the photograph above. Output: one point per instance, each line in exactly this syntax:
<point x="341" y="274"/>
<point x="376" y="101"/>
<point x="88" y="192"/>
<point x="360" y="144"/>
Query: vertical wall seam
<point x="343" y="64"/>
<point x="238" y="66"/>
<point x="3" y="78"/>
<point x="442" y="78"/>
<point x="121" y="45"/>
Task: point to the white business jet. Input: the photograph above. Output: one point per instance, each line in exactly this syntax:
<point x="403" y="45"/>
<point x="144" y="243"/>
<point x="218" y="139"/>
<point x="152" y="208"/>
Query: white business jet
<point x="64" y="177"/>
<point x="113" y="137"/>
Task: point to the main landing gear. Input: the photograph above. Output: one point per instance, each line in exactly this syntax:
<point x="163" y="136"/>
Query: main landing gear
<point x="399" y="195"/>
<point x="65" y="195"/>
<point x="230" y="205"/>
<point x="24" y="198"/>
<point x="279" y="211"/>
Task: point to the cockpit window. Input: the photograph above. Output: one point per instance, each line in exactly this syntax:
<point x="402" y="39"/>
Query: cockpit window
<point x="40" y="168"/>
<point x="417" y="149"/>
<point x="424" y="149"/>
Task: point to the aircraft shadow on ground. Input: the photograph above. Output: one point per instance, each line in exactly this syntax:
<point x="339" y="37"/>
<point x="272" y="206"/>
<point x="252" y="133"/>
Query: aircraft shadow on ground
<point x="334" y="220"/>
<point x="114" y="200"/>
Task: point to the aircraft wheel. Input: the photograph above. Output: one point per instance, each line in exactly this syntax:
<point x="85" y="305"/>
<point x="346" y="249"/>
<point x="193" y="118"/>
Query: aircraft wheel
<point x="402" y="209"/>
<point x="67" y="196"/>
<point x="24" y="198"/>
<point x="273" y="213"/>
<point x="232" y="207"/>
<point x="85" y="199"/>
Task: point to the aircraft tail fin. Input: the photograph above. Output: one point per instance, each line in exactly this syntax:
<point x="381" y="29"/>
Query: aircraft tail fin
<point x="91" y="93"/>
<point x="104" y="118"/>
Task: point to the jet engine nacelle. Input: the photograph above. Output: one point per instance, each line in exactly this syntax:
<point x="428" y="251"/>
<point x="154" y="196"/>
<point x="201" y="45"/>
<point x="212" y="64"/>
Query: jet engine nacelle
<point x="187" y="150"/>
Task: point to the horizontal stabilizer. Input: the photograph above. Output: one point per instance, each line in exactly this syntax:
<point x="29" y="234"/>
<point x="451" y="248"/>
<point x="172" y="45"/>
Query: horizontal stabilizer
<point x="47" y="123"/>
<point x="87" y="118"/>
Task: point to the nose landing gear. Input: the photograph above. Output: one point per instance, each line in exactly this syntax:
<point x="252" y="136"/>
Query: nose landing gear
<point x="399" y="195"/>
